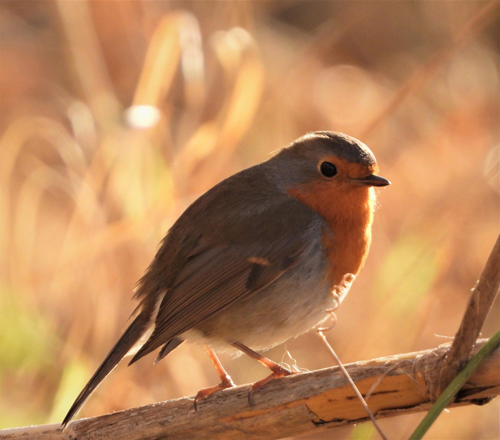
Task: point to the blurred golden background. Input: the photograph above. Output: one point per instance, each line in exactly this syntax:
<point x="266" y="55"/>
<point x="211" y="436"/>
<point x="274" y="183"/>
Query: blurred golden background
<point x="116" y="115"/>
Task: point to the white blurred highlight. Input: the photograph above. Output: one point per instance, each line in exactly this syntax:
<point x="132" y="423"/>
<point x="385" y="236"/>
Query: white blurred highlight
<point x="142" y="116"/>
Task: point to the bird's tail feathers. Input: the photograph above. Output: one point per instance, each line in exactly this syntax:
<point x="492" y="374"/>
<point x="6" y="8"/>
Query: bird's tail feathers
<point x="126" y="343"/>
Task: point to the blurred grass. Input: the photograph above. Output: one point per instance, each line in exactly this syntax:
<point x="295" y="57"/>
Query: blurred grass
<point x="409" y="266"/>
<point x="364" y="431"/>
<point x="116" y="115"/>
<point x="26" y="336"/>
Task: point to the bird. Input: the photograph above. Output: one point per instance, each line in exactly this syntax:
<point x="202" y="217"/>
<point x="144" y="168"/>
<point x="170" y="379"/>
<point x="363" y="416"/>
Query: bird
<point x="253" y="261"/>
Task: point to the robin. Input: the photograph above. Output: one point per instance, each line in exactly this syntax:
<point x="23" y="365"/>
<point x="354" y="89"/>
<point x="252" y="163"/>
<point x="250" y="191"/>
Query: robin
<point x="253" y="262"/>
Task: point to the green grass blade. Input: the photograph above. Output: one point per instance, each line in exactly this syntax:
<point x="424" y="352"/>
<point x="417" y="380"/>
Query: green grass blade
<point x="444" y="400"/>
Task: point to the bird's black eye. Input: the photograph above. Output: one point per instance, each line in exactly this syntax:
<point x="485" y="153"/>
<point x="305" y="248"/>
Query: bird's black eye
<point x="328" y="169"/>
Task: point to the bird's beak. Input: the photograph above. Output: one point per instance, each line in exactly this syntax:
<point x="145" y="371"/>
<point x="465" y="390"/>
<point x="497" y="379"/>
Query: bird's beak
<point x="372" y="180"/>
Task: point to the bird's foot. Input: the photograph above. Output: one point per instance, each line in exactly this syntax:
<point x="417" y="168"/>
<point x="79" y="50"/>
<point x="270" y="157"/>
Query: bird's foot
<point x="277" y="372"/>
<point x="226" y="382"/>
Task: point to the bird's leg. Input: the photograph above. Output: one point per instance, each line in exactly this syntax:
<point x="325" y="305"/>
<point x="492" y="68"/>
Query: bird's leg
<point x="225" y="379"/>
<point x="277" y="369"/>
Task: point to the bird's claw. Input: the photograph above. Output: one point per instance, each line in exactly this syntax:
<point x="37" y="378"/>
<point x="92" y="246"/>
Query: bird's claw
<point x="277" y="372"/>
<point x="227" y="382"/>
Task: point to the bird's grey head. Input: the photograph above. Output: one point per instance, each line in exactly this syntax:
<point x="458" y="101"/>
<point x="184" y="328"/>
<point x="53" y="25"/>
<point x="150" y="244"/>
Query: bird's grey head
<point x="301" y="161"/>
<point x="320" y="143"/>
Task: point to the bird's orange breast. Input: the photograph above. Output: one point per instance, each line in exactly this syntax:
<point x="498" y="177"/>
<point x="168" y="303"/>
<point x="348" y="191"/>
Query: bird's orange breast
<point x="349" y="216"/>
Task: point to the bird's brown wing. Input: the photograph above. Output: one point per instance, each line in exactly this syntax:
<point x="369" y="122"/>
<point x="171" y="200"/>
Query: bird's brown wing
<point x="216" y="278"/>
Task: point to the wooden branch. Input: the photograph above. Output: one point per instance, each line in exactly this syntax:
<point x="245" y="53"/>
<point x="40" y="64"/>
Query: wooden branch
<point x="480" y="303"/>
<point x="294" y="405"/>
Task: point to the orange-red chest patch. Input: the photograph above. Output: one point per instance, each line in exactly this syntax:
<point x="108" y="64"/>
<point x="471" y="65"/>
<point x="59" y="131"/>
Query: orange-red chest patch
<point x="348" y="216"/>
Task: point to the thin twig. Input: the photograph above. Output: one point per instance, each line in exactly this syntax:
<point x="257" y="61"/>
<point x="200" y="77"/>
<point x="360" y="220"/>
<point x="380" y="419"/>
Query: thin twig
<point x="353" y="385"/>
<point x="339" y="293"/>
